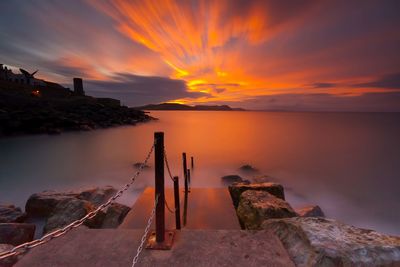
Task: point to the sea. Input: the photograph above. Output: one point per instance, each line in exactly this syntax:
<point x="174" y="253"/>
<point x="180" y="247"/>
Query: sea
<point x="347" y="163"/>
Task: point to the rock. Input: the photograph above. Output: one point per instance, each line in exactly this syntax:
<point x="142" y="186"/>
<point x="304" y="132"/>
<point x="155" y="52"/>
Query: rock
<point x="67" y="211"/>
<point x="229" y="179"/>
<point x="138" y="164"/>
<point x="248" y="169"/>
<point x="9" y="261"/>
<point x="11" y="214"/>
<point x="43" y="204"/>
<point x="16" y="233"/>
<point x="257" y="206"/>
<point x="323" y="242"/>
<point x="310" y="211"/>
<point x="236" y="189"/>
<point x="114" y="216"/>
<point x="98" y="195"/>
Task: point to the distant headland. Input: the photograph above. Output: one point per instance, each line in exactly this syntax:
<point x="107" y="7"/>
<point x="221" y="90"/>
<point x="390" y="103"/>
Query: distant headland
<point x="175" y="106"/>
<point x="34" y="106"/>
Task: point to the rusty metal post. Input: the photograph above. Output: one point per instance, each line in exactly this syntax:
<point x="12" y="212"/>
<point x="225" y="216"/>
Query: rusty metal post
<point x="188" y="177"/>
<point x="159" y="184"/>
<point x="191" y="162"/>
<point x="185" y="171"/>
<point x="177" y="203"/>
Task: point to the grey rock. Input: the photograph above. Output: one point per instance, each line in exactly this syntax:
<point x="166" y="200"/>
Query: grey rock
<point x="257" y="206"/>
<point x="16" y="233"/>
<point x="230" y="179"/>
<point x="310" y="211"/>
<point x="11" y="214"/>
<point x="97" y="195"/>
<point x="324" y="242"/>
<point x="43" y="204"/>
<point x="248" y="169"/>
<point x="236" y="189"/>
<point x="67" y="211"/>
<point x="114" y="216"/>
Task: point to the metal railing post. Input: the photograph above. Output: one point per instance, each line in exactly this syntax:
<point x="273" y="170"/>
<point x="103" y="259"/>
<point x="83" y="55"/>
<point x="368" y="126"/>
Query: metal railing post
<point x="177" y="203"/>
<point x="159" y="184"/>
<point x="185" y="171"/>
<point x="188" y="178"/>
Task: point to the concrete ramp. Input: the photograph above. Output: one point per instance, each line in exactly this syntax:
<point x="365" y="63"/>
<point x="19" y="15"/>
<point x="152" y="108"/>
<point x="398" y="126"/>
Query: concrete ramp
<point x="117" y="247"/>
<point x="206" y="208"/>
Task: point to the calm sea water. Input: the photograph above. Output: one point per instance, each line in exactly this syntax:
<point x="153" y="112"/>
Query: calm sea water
<point x="348" y="163"/>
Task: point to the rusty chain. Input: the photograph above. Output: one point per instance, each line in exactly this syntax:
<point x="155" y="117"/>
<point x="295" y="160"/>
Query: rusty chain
<point x="59" y="232"/>
<point x="167" y="164"/>
<point x="145" y="234"/>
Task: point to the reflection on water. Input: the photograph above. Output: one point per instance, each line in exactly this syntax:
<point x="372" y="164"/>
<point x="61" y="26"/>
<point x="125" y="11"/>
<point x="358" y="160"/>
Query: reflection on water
<point x="348" y="163"/>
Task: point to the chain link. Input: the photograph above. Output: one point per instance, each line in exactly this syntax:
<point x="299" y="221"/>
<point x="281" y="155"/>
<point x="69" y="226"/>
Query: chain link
<point x="168" y="208"/>
<point x="145" y="234"/>
<point x="167" y="163"/>
<point x="57" y="233"/>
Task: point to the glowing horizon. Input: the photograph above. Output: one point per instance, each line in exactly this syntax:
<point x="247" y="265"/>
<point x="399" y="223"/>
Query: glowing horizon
<point x="237" y="52"/>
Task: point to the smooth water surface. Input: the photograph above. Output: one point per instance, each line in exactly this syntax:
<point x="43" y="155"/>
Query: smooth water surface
<point x="348" y="163"/>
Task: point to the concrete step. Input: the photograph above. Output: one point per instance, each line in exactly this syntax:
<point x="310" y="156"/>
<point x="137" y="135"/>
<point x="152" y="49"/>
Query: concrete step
<point x="117" y="247"/>
<point x="207" y="208"/>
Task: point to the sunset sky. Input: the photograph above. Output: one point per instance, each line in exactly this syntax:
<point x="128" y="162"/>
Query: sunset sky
<point x="274" y="55"/>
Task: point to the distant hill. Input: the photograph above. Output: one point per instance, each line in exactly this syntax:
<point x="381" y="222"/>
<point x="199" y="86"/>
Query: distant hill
<point x="173" y="106"/>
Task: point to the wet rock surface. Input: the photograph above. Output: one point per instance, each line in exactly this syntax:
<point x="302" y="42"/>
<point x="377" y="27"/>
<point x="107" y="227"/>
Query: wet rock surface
<point x="114" y="215"/>
<point x="257" y="206"/>
<point x="97" y="195"/>
<point x="67" y="211"/>
<point x="62" y="208"/>
<point x="236" y="190"/>
<point x="43" y="204"/>
<point x="326" y="242"/>
<point x="11" y="214"/>
<point x="310" y="211"/>
<point x="230" y="179"/>
<point x="16" y="233"/>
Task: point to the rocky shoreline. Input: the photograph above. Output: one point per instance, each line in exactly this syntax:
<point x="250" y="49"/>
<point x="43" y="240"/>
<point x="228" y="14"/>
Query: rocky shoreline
<point x="57" y="209"/>
<point x="21" y="113"/>
<point x="309" y="237"/>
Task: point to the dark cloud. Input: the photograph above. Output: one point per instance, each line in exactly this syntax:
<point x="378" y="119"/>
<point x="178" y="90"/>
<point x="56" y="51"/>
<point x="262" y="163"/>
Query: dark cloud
<point x="389" y="81"/>
<point x="135" y="90"/>
<point x="322" y="85"/>
<point x="368" y="102"/>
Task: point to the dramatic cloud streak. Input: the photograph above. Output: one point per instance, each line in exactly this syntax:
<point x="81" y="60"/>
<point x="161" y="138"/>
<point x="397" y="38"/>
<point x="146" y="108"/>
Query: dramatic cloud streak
<point x="205" y="51"/>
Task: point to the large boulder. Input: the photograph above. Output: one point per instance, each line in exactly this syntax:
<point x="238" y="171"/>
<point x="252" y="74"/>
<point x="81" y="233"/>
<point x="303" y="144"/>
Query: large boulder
<point x="237" y="189"/>
<point x="67" y="211"/>
<point x="230" y="179"/>
<point x="9" y="261"/>
<point x="11" y="214"/>
<point x="43" y="204"/>
<point x="257" y="206"/>
<point x="97" y="195"/>
<point x="114" y="216"/>
<point x="16" y="233"/>
<point x="323" y="242"/>
<point x="310" y="211"/>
